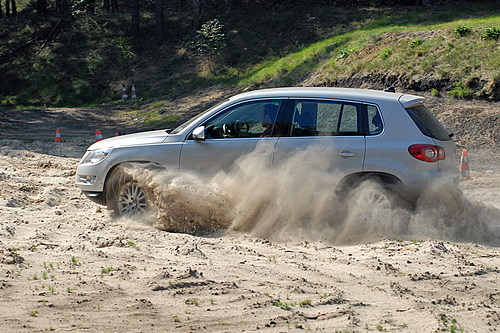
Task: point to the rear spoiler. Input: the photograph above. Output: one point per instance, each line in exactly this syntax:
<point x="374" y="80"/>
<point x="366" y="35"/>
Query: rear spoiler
<point x="409" y="101"/>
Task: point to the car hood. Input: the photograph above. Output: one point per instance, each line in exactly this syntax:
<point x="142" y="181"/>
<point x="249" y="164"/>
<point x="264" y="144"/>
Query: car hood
<point x="142" y="138"/>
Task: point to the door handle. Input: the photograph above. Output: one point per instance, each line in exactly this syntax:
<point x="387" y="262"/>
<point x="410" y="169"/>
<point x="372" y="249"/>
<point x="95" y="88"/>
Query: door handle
<point x="347" y="153"/>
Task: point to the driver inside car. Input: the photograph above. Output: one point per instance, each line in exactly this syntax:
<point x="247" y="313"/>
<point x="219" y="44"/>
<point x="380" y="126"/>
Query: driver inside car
<point x="268" y="116"/>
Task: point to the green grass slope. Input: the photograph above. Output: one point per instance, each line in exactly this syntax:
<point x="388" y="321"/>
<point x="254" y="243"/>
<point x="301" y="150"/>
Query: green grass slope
<point x="405" y="50"/>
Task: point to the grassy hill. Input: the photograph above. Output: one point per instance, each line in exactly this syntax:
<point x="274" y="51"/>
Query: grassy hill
<point x="451" y="50"/>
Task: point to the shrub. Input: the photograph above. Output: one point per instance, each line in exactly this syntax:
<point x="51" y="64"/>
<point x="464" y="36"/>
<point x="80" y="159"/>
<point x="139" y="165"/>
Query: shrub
<point x="210" y="39"/>
<point x="386" y="53"/>
<point x="460" y="91"/>
<point x="463" y="30"/>
<point x="492" y="33"/>
<point x="344" y="53"/>
<point x="416" y="42"/>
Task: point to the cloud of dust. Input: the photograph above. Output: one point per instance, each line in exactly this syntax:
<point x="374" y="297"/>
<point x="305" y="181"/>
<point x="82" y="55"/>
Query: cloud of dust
<point x="295" y="200"/>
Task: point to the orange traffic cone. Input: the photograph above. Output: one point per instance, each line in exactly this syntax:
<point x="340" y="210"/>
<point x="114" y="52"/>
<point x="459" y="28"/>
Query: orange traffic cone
<point x="58" y="136"/>
<point x="464" y="165"/>
<point x="98" y="135"/>
<point x="133" y="92"/>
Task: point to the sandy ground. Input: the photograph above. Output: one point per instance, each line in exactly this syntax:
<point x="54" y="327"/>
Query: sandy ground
<point x="65" y="265"/>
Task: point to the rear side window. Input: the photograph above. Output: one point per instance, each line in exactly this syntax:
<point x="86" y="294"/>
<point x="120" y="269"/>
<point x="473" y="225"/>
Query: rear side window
<point x="325" y="118"/>
<point x="375" y="125"/>
<point x="427" y="123"/>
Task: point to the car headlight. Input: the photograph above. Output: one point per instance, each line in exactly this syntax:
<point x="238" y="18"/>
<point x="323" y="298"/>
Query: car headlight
<point x="95" y="156"/>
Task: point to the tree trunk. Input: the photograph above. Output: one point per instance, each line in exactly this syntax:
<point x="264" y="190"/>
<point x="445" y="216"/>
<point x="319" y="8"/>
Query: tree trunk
<point x="7" y="8"/>
<point x="134" y="21"/>
<point x="62" y="7"/>
<point x="1" y="11"/>
<point x="106" y="5"/>
<point x="114" y="6"/>
<point x="13" y="7"/>
<point x="196" y="13"/>
<point x="159" y="22"/>
<point x="41" y="7"/>
<point x="90" y="6"/>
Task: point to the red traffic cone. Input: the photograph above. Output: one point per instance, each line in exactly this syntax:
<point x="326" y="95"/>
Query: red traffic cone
<point x="117" y="134"/>
<point x="133" y="93"/>
<point x="98" y="135"/>
<point x="58" y="136"/>
<point x="464" y="165"/>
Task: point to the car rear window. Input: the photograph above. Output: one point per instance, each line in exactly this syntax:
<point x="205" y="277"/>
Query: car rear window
<point x="427" y="123"/>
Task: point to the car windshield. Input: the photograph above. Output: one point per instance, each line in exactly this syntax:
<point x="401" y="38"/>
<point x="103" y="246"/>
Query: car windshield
<point x="190" y="121"/>
<point x="427" y="123"/>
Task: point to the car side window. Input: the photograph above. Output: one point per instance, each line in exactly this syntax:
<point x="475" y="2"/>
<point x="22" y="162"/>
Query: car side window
<point x="375" y="125"/>
<point x="325" y="118"/>
<point x="246" y="120"/>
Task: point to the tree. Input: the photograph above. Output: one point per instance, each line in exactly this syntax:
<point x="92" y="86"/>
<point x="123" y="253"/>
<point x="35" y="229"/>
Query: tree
<point x="134" y="21"/>
<point x="196" y="13"/>
<point x="110" y="5"/>
<point x="1" y="12"/>
<point x="13" y="7"/>
<point x="209" y="41"/>
<point x="62" y="7"/>
<point x="159" y="22"/>
<point x="41" y="7"/>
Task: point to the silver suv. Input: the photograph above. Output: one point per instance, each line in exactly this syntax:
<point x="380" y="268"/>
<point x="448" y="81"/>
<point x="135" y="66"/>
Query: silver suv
<point x="386" y="136"/>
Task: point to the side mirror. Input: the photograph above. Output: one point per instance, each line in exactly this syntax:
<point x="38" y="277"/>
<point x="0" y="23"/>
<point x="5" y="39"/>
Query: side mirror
<point x="199" y="133"/>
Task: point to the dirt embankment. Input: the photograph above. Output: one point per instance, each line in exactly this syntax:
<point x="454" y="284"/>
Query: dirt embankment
<point x="66" y="265"/>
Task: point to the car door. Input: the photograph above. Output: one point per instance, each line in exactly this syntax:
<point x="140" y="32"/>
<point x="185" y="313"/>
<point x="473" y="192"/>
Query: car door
<point x="232" y="133"/>
<point x="332" y="129"/>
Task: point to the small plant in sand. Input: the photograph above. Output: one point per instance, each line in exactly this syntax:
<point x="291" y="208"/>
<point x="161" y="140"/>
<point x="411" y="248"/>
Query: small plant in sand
<point x="305" y="303"/>
<point x="74" y="261"/>
<point x="134" y="245"/>
<point x="282" y="305"/>
<point x="452" y="322"/>
<point x="193" y="301"/>
<point x="106" y="270"/>
<point x="34" y="313"/>
<point x="177" y="319"/>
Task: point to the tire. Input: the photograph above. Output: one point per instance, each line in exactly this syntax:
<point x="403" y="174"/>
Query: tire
<point x="125" y="195"/>
<point x="374" y="210"/>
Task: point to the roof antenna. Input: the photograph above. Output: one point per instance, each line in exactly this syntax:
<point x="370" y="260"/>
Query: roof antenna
<point x="390" y="89"/>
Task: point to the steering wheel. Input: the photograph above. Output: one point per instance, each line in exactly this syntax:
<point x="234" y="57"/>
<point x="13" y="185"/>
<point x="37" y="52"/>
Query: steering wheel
<point x="228" y="130"/>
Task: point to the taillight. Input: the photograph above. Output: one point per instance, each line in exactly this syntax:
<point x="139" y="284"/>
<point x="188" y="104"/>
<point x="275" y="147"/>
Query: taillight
<point x="427" y="153"/>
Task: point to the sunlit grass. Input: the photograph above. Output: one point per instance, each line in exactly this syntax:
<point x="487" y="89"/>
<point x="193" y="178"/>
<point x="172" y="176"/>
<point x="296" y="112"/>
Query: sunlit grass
<point x="412" y="43"/>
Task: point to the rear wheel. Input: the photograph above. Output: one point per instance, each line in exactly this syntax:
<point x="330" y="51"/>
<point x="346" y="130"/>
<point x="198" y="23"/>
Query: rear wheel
<point x="125" y="195"/>
<point x="374" y="210"/>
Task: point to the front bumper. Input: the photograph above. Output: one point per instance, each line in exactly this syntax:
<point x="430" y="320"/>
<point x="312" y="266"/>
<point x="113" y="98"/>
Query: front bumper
<point x="97" y="197"/>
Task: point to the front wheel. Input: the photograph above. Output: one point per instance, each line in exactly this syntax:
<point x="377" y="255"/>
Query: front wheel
<point x="125" y="195"/>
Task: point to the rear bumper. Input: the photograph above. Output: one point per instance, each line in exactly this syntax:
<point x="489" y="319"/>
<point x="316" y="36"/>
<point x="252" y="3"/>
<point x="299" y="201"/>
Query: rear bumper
<point x="97" y="197"/>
